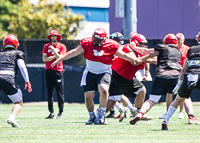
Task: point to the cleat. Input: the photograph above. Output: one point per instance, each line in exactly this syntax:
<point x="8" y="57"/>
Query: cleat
<point x="117" y="117"/>
<point x="136" y="119"/>
<point x="13" y="123"/>
<point x="180" y="115"/>
<point x="59" y="116"/>
<point x="111" y="115"/>
<point x="133" y="111"/>
<point x="123" y="111"/>
<point x="100" y="118"/>
<point x="193" y="120"/>
<point x="164" y="125"/>
<point x="163" y="116"/>
<point x="90" y="120"/>
<point x="51" y="116"/>
<point x="146" y="118"/>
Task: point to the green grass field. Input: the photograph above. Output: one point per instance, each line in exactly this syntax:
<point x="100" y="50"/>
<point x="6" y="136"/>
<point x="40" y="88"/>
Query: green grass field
<point x="72" y="128"/>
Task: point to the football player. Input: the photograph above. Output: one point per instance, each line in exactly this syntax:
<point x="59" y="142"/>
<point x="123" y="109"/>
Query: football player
<point x="188" y="81"/>
<point x="12" y="60"/>
<point x="54" y="75"/>
<point x="123" y="83"/>
<point x="168" y="70"/>
<point x="188" y="102"/>
<point x="99" y="52"/>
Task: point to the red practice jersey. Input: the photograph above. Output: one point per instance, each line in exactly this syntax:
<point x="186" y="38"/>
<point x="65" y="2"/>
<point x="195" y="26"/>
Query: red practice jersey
<point x="61" y="49"/>
<point x="99" y="59"/>
<point x="184" y="50"/>
<point x="125" y="68"/>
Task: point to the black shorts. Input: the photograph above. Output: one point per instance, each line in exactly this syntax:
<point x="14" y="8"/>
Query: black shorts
<point x="8" y="85"/>
<point x="120" y="85"/>
<point x="183" y="91"/>
<point x="93" y="80"/>
<point x="163" y="85"/>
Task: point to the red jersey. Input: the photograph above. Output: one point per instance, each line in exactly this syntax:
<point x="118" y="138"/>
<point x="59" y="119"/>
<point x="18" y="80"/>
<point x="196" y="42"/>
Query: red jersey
<point x="61" y="49"/>
<point x="184" y="50"/>
<point x="103" y="54"/>
<point x="125" y="68"/>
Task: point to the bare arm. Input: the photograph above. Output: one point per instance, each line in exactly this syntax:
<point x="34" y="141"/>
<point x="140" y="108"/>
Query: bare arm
<point x="72" y="53"/>
<point x="55" y="52"/>
<point x="152" y="60"/>
<point x="185" y="67"/>
<point x="129" y="57"/>
<point x="45" y="58"/>
<point x="140" y="50"/>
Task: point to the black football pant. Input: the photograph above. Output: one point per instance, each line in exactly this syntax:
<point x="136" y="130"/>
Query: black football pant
<point x="55" y="79"/>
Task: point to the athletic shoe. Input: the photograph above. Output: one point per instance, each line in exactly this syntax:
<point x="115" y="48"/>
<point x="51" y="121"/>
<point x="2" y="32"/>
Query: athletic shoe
<point x="164" y="125"/>
<point x="163" y="116"/>
<point x="59" y="116"/>
<point x="100" y="118"/>
<point x="180" y="115"/>
<point x="90" y="120"/>
<point x="12" y="122"/>
<point x="133" y="111"/>
<point x="136" y="118"/>
<point x="193" y="120"/>
<point x="51" y="116"/>
<point x="145" y="118"/>
<point x="122" y="111"/>
<point x="117" y="117"/>
<point x="111" y="115"/>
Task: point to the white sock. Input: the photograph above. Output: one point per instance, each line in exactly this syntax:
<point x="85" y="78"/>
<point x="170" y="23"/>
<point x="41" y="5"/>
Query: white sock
<point x="91" y="114"/>
<point x="118" y="106"/>
<point x="129" y="106"/>
<point x="103" y="110"/>
<point x="170" y="112"/>
<point x="12" y="116"/>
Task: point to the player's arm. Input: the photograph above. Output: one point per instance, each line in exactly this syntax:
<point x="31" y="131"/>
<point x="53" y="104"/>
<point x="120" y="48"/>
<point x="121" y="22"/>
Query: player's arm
<point x="45" y="58"/>
<point x="180" y="80"/>
<point x="152" y="60"/>
<point x="129" y="57"/>
<point x="24" y="72"/>
<point x="55" y="52"/>
<point x="70" y="54"/>
<point x="141" y="50"/>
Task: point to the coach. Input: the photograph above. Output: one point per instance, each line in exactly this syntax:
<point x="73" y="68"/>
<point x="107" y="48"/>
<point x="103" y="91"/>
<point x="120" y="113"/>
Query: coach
<point x="54" y="75"/>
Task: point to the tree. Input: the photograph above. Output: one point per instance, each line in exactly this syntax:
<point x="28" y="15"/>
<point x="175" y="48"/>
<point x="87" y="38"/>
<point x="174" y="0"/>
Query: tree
<point x="36" y="21"/>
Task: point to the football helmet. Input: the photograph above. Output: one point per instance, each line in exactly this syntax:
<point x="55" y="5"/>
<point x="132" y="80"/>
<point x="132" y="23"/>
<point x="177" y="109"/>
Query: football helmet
<point x="198" y="37"/>
<point x="170" y="39"/>
<point x="54" y="32"/>
<point x="139" y="39"/>
<point x="117" y="37"/>
<point x="98" y="37"/>
<point x="180" y="36"/>
<point x="10" y="41"/>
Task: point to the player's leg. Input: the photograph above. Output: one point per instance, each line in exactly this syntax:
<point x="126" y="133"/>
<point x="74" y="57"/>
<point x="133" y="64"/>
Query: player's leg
<point x="50" y="85"/>
<point x="180" y="114"/>
<point x="59" y="86"/>
<point x="103" y="82"/>
<point x="18" y="103"/>
<point x="157" y="90"/>
<point x="169" y="99"/>
<point x="172" y="108"/>
<point x="189" y="110"/>
<point x="90" y="87"/>
<point x="183" y="93"/>
<point x="89" y="96"/>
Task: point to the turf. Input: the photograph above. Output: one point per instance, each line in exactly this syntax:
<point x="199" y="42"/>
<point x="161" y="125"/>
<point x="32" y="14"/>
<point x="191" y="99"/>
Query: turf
<point x="72" y="128"/>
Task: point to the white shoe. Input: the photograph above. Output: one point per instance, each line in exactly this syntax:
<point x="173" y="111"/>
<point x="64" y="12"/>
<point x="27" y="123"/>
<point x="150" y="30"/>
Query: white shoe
<point x="163" y="116"/>
<point x="123" y="111"/>
<point x="180" y="115"/>
<point x="133" y="112"/>
<point x="12" y="122"/>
